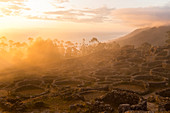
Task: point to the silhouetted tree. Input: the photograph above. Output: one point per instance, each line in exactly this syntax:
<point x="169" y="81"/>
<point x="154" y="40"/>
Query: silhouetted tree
<point x="94" y="40"/>
<point x="69" y="50"/>
<point x="168" y="40"/>
<point x="3" y="39"/>
<point x="83" y="47"/>
<point x="30" y="40"/>
<point x="11" y="43"/>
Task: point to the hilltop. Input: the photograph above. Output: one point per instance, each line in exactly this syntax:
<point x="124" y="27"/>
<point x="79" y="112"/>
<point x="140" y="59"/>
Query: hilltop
<point x="154" y="35"/>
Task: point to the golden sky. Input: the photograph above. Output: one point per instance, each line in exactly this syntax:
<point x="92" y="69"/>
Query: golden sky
<point x="20" y="19"/>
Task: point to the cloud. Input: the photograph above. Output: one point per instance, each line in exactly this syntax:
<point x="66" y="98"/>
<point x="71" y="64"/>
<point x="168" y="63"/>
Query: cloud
<point x="151" y="16"/>
<point x="14" y="8"/>
<point x="148" y="16"/>
<point x="62" y="1"/>
<point x="5" y="11"/>
<point x="12" y="0"/>
<point x="140" y="17"/>
<point x="66" y="13"/>
<point x="60" y="7"/>
<point x="94" y="19"/>
<point x="85" y="15"/>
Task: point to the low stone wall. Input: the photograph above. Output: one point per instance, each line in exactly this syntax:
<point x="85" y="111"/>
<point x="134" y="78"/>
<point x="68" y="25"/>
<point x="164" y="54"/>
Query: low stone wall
<point x="142" y="106"/>
<point x="164" y="107"/>
<point x="160" y="72"/>
<point x="158" y="84"/>
<point x="126" y="100"/>
<point x="137" y="83"/>
<point x="117" y="97"/>
<point x="148" y="77"/>
<point x="151" y="80"/>
<point x="28" y="82"/>
<point x="30" y="87"/>
<point x="164" y="93"/>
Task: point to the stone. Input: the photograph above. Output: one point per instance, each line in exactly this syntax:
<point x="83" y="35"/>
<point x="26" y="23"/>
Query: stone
<point x="136" y="107"/>
<point x="164" y="106"/>
<point x="143" y="105"/>
<point x="151" y="99"/>
<point x="73" y="107"/>
<point x="117" y="97"/>
<point x="123" y="108"/>
<point x="40" y="105"/>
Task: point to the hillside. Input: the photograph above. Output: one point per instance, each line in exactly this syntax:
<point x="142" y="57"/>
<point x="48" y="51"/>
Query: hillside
<point x="154" y="36"/>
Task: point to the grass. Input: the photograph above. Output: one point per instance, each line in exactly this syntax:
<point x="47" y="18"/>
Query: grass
<point x="131" y="87"/>
<point x="31" y="92"/>
<point x="93" y="95"/>
<point x="60" y="105"/>
<point x="3" y="93"/>
<point x="68" y="82"/>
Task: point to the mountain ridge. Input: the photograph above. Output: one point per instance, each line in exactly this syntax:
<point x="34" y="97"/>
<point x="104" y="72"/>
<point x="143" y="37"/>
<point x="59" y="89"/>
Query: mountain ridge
<point x="153" y="35"/>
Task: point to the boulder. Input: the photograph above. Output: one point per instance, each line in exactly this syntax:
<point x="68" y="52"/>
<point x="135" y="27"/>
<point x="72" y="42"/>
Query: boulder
<point x="123" y="108"/>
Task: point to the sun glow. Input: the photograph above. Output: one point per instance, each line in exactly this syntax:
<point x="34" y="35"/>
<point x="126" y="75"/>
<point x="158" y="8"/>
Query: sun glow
<point x="39" y="5"/>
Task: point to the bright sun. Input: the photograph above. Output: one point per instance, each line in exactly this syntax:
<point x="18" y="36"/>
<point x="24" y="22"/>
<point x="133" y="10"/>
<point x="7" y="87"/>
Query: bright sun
<point x="37" y="8"/>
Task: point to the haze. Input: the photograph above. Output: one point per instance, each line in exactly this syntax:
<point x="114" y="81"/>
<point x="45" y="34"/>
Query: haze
<point x="84" y="56"/>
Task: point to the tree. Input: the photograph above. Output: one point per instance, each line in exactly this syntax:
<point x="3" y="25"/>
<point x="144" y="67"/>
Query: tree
<point x="11" y="42"/>
<point x="168" y="40"/>
<point x="83" y="47"/>
<point x="94" y="40"/>
<point x="30" y="40"/>
<point x="3" y="39"/>
<point x="56" y="42"/>
<point x="70" y="48"/>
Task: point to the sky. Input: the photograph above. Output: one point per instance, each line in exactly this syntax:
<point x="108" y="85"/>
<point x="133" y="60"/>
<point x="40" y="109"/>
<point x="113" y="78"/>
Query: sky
<point x="77" y="19"/>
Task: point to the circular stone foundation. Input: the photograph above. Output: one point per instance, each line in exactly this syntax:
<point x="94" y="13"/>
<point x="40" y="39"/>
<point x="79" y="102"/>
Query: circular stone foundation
<point x="29" y="82"/>
<point x="152" y="80"/>
<point x="164" y="93"/>
<point x="160" y="71"/>
<point x="149" y="78"/>
<point x="118" y="96"/>
<point x="67" y="83"/>
<point x="29" y="90"/>
<point x="138" y="87"/>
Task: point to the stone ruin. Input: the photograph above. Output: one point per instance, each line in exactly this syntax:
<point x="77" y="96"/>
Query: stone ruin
<point x="164" y="93"/>
<point x="140" y="74"/>
<point x="125" y="100"/>
<point x="92" y="107"/>
<point x="140" y="84"/>
<point x="163" y="96"/>
<point x="151" y="80"/>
